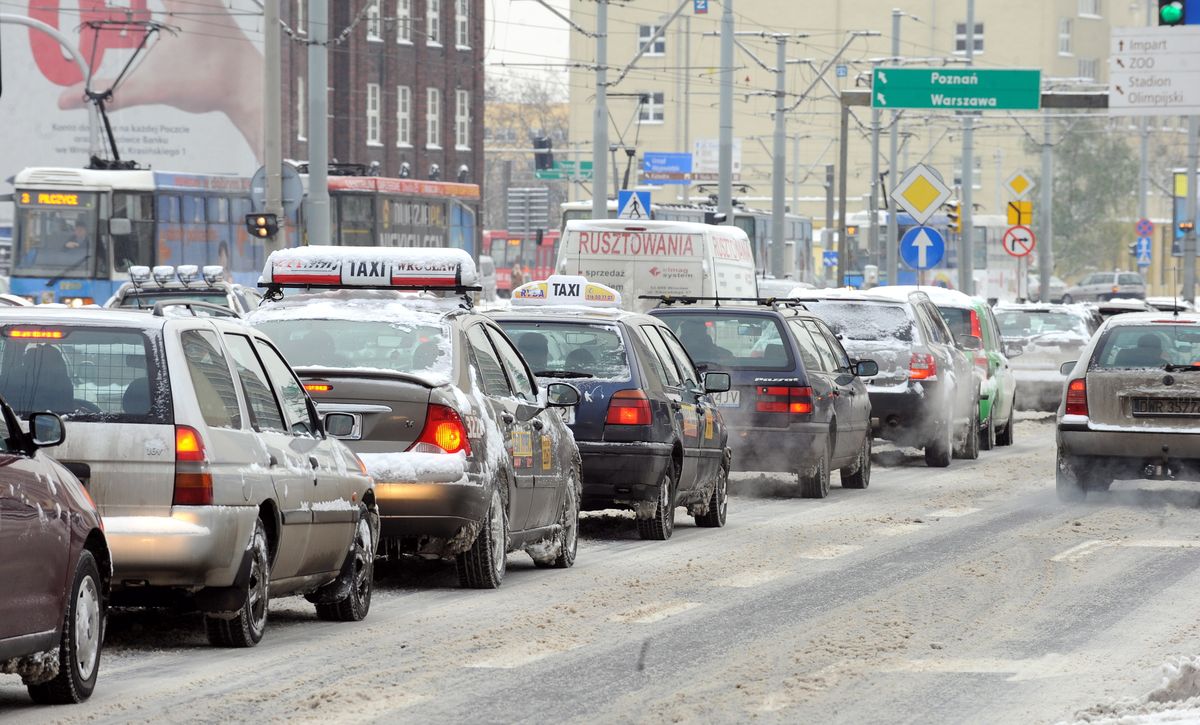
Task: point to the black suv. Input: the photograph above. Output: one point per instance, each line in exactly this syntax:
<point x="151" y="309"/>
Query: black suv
<point x="926" y="393"/>
<point x="796" y="403"/>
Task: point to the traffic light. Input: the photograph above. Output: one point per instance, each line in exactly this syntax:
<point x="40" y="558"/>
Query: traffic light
<point x="955" y="215"/>
<point x="543" y="155"/>
<point x="262" y="226"/>
<point x="1172" y="12"/>
<point x="1133" y="249"/>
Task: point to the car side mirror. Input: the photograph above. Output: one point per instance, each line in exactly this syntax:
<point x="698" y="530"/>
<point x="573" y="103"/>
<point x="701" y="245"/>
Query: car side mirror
<point x="865" y="368"/>
<point x="1067" y="367"/>
<point x="119" y="227"/>
<point x="562" y="395"/>
<point x="970" y="342"/>
<point x="46" y="430"/>
<point x="339" y="425"/>
<point x="1014" y="349"/>
<point x="717" y="382"/>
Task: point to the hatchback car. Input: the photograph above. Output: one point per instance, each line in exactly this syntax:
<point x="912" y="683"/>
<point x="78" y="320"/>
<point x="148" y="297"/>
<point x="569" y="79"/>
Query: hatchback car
<point x="149" y="286"/>
<point x="1100" y="286"/>
<point x="470" y="457"/>
<point x="1047" y="336"/>
<point x="54" y="564"/>
<point x="797" y="402"/>
<point x="1131" y="405"/>
<point x="926" y="393"/>
<point x="217" y="483"/>
<point x="650" y="436"/>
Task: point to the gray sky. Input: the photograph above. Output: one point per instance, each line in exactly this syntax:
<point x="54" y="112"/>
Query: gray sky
<point x="522" y="31"/>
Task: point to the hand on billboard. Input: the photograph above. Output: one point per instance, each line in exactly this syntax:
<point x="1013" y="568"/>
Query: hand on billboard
<point x="207" y="65"/>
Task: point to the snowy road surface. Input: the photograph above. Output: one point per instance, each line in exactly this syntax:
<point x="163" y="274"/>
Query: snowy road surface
<point x="967" y="594"/>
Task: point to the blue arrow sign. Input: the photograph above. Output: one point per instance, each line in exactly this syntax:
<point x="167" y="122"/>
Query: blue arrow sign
<point x="922" y="247"/>
<point x="1142" y="250"/>
<point x="829" y="259"/>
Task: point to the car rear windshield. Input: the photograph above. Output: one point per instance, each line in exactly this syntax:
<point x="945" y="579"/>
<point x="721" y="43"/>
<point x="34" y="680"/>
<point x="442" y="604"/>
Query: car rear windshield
<point x="731" y="341"/>
<point x="1030" y="323"/>
<point x="958" y="319"/>
<point x="405" y="347"/>
<point x="90" y="374"/>
<point x="570" y="350"/>
<point x="868" y="321"/>
<point x="1149" y="346"/>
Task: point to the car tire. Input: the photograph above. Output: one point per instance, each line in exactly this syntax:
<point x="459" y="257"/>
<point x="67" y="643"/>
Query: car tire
<point x="1004" y="436"/>
<point x="1067" y="482"/>
<point x="567" y="539"/>
<point x="246" y="627"/>
<point x="1067" y="299"/>
<point x="718" y="503"/>
<point x="940" y="450"/>
<point x="859" y="475"/>
<point x="484" y="564"/>
<point x="357" y="577"/>
<point x="987" y="437"/>
<point x="969" y="450"/>
<point x="816" y="484"/>
<point x="660" y="526"/>
<point x="82" y="640"/>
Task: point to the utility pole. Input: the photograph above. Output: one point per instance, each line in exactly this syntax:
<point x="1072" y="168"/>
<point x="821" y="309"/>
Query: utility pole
<point x="600" y="117"/>
<point x="272" y="134"/>
<point x="827" y="232"/>
<point x="779" y="166"/>
<point x="318" y="124"/>
<point x="1046" y="229"/>
<point x="843" y="244"/>
<point x="1144" y="170"/>
<point x="893" y="227"/>
<point x="687" y="93"/>
<point x="725" y="142"/>
<point x="873" y="202"/>
<point x="1193" y="191"/>
<point x="966" y="256"/>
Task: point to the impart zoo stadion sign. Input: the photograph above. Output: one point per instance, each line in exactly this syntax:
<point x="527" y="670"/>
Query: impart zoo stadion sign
<point x="957" y="89"/>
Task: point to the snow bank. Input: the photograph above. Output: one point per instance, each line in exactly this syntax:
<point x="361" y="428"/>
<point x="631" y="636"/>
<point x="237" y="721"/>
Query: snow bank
<point x="1177" y="700"/>
<point x="151" y="526"/>
<point x="415" y="467"/>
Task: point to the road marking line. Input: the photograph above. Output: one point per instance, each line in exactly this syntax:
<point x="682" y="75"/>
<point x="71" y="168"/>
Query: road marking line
<point x="748" y="580"/>
<point x="1087" y="548"/>
<point x="829" y="551"/>
<point x="953" y="513"/>
<point x="1162" y="544"/>
<point x="518" y="657"/>
<point x="651" y="613"/>
<point x="898" y="529"/>
<point x="1044" y="667"/>
<point x="1079" y="551"/>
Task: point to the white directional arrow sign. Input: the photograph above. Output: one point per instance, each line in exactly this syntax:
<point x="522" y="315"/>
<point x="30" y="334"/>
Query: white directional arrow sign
<point x="922" y="247"/>
<point x="922" y="243"/>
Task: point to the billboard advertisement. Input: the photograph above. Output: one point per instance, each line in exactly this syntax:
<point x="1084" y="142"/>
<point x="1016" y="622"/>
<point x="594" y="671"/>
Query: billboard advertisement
<point x="188" y="96"/>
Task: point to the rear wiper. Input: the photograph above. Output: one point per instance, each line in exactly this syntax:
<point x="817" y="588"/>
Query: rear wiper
<point x="561" y="374"/>
<point x="1172" y="368"/>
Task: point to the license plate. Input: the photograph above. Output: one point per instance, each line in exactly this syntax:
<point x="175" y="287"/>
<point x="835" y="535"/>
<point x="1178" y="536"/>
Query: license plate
<point x="728" y="399"/>
<point x="1166" y="407"/>
<point x="568" y="415"/>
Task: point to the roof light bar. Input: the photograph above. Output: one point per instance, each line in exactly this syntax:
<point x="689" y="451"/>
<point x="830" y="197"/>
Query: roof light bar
<point x="139" y="275"/>
<point x="163" y="274"/>
<point x="396" y="268"/>
<point x="563" y="289"/>
<point x="213" y="273"/>
<point x="187" y="273"/>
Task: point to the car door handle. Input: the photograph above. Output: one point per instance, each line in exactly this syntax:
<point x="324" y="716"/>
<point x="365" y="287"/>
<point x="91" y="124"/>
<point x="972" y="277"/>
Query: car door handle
<point x="272" y="461"/>
<point x="538" y="424"/>
<point x="312" y="461"/>
<point x="507" y="418"/>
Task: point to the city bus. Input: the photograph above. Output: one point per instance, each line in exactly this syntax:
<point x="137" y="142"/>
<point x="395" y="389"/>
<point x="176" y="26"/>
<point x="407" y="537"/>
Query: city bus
<point x="533" y="256"/>
<point x="76" y="232"/>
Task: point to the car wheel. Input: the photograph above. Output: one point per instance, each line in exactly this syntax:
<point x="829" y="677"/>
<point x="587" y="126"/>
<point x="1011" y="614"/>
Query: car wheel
<point x="357" y="578"/>
<point x="567" y="539"/>
<point x="1067" y="299"/>
<point x="483" y="565"/>
<point x="718" y="503"/>
<point x="245" y="628"/>
<point x="969" y="449"/>
<point x="816" y="484"/>
<point x="82" y="640"/>
<point x="939" y="451"/>
<point x="1067" y="481"/>
<point x="987" y="437"/>
<point x="859" y="475"/>
<point x="660" y="526"/>
<point x="1004" y="437"/>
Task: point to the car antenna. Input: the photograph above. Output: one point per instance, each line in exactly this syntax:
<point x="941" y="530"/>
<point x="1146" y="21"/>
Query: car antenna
<point x="1175" y="289"/>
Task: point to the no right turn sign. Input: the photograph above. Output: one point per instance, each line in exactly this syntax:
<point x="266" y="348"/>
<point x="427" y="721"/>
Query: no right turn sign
<point x="1019" y="241"/>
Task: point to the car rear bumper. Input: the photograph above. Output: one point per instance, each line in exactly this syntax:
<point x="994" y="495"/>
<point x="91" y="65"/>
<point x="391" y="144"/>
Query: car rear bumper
<point x="437" y="510"/>
<point x="621" y="472"/>
<point x="196" y="546"/>
<point x="904" y="417"/>
<point x="1139" y="447"/>
<point x="773" y="449"/>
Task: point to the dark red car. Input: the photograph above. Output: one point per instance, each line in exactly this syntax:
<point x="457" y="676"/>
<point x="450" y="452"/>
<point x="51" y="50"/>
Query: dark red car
<point x="54" y="566"/>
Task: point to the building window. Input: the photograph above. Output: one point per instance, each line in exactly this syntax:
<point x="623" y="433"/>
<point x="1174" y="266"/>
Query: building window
<point x="301" y="111"/>
<point x="1090" y="9"/>
<point x="301" y="28"/>
<point x="1064" y="36"/>
<point x="462" y="23"/>
<point x="960" y="38"/>
<point x="403" y="116"/>
<point x="433" y="22"/>
<point x="403" y="21"/>
<point x="651" y="110"/>
<point x="373" y="114"/>
<point x="374" y="23"/>
<point x="977" y="174"/>
<point x="1089" y="68"/>
<point x="462" y="120"/>
<point x="645" y="33"/>
<point x="433" y="118"/>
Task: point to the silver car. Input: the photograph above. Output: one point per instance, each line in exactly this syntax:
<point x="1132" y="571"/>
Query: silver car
<point x="206" y="458"/>
<point x="1047" y="336"/>
<point x="1100" y="286"/>
<point x="1131" y="404"/>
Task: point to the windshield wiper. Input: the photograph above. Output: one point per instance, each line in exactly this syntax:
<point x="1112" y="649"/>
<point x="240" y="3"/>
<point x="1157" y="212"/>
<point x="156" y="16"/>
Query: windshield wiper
<point x="1172" y="368"/>
<point x="562" y="374"/>
<point x="59" y="277"/>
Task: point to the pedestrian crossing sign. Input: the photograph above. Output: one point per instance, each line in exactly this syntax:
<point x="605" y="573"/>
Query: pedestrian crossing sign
<point x="633" y="205"/>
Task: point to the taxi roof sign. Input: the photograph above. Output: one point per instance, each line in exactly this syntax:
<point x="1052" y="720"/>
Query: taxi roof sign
<point x="396" y="268"/>
<point x="565" y="289"/>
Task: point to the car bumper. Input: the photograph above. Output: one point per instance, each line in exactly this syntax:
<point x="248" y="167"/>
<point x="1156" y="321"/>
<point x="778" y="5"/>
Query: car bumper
<point x="904" y="417"/>
<point x="791" y="449"/>
<point x="1077" y="438"/>
<point x="437" y="510"/>
<point x="196" y="546"/>
<point x="616" y="473"/>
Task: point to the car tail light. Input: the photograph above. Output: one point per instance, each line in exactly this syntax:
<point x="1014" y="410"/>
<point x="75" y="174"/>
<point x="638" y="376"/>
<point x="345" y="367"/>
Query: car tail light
<point x="1077" y="397"/>
<point x="318" y="387"/>
<point x="444" y="432"/>
<point x="922" y="366"/>
<point x="24" y="333"/>
<point x="628" y="407"/>
<point x="981" y="358"/>
<point x="1115" y="289"/>
<point x="193" y="481"/>
<point x="791" y="399"/>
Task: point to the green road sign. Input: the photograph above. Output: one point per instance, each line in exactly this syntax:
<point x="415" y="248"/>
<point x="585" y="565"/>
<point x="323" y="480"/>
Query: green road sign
<point x="957" y="89"/>
<point x="567" y="169"/>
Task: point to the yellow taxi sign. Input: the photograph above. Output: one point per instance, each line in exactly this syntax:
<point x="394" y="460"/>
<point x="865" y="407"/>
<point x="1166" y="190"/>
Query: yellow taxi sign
<point x="564" y="289"/>
<point x="921" y="192"/>
<point x="1019" y="185"/>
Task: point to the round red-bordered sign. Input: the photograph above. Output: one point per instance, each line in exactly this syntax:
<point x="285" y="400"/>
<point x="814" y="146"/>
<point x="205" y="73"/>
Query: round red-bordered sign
<point x="1019" y="241"/>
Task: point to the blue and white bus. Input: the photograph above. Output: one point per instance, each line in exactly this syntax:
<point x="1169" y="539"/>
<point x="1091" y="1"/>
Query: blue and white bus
<point x="76" y="232"/>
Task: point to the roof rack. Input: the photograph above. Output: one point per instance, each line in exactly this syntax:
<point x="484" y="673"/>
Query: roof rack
<point x="793" y="302"/>
<point x="192" y="305"/>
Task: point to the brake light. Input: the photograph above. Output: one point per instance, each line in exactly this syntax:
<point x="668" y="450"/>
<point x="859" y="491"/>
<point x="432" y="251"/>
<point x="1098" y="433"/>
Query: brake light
<point x="922" y="366"/>
<point x="23" y="333"/>
<point x="193" y="481"/>
<point x="791" y="399"/>
<point x="976" y="328"/>
<point x="628" y="407"/>
<point x="1077" y="397"/>
<point x="318" y="387"/>
<point x="444" y="432"/>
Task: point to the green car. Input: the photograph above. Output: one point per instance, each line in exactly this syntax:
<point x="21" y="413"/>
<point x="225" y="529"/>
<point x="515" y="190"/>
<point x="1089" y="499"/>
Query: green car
<point x="998" y="387"/>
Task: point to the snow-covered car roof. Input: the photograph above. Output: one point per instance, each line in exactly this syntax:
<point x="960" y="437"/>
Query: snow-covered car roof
<point x="1170" y="303"/>
<point x="938" y="295"/>
<point x="345" y="304"/>
<point x="832" y="293"/>
<point x="1078" y="309"/>
<point x="1145" y="318"/>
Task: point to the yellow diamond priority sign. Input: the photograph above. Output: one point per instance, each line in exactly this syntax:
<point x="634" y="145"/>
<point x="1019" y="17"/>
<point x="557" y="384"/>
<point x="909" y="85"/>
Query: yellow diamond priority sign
<point x="1020" y="184"/>
<point x="921" y="193"/>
